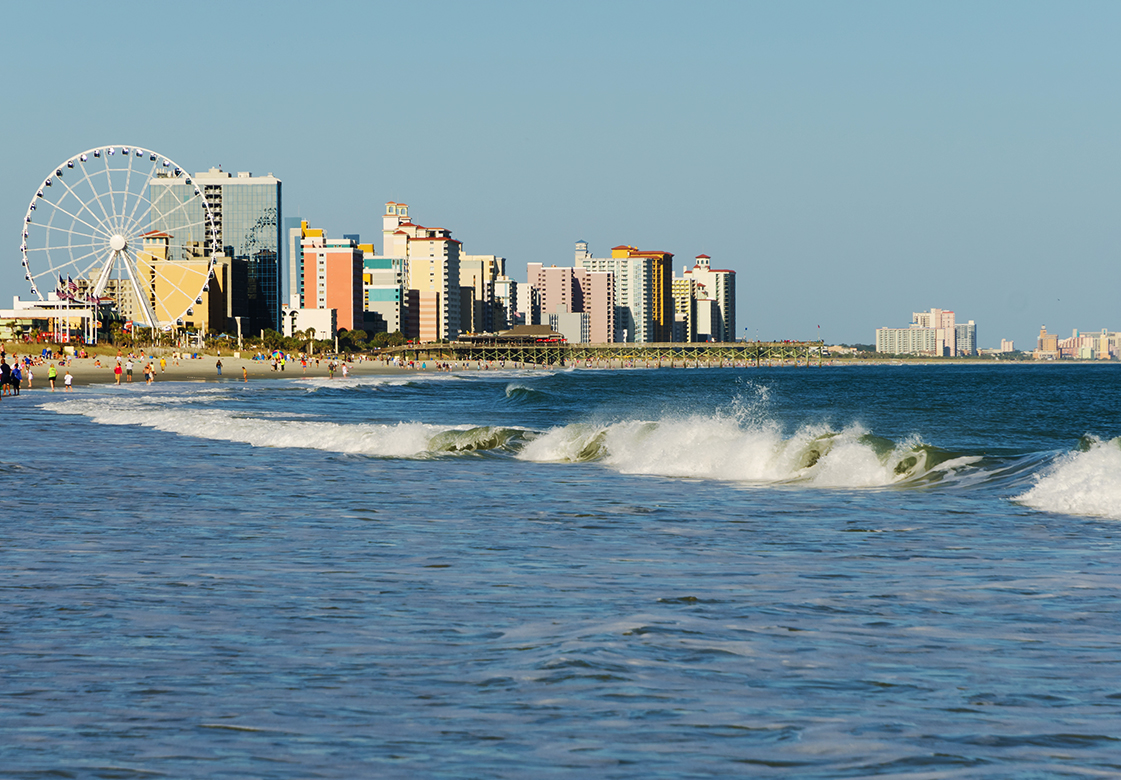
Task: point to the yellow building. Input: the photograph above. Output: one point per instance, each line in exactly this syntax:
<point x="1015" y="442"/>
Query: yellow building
<point x="1047" y="346"/>
<point x="174" y="285"/>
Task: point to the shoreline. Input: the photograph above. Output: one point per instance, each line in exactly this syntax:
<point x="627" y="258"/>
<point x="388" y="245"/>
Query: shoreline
<point x="204" y="370"/>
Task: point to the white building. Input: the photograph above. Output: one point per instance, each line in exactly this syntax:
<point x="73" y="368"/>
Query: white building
<point x="933" y="332"/>
<point x="714" y="289"/>
<point x="323" y="321"/>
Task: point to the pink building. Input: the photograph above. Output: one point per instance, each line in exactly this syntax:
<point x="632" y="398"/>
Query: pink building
<point x="596" y="291"/>
<point x="577" y="290"/>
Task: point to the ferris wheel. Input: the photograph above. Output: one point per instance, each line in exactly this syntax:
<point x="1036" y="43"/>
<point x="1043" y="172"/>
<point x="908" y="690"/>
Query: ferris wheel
<point x="121" y="225"/>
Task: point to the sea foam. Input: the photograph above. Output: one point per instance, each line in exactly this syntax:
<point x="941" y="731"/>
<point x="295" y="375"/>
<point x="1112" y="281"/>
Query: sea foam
<point x="1086" y="482"/>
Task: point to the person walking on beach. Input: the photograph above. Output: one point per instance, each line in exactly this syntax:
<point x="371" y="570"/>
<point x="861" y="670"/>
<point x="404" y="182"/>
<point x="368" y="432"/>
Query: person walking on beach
<point x="163" y="365"/>
<point x="117" y="372"/>
<point x="5" y="377"/>
<point x="52" y="374"/>
<point x="218" y="366"/>
<point x="17" y="377"/>
<point x="244" y="374"/>
<point x="128" y="369"/>
<point x="68" y="381"/>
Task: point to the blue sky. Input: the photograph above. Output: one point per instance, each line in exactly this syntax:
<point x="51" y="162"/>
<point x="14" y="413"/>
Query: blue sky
<point x="853" y="162"/>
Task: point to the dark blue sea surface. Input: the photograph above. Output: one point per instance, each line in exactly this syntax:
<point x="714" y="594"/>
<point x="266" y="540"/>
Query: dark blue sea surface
<point x="831" y="572"/>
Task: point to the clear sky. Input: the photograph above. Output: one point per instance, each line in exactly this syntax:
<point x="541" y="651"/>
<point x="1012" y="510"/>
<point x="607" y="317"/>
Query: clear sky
<point x="852" y="161"/>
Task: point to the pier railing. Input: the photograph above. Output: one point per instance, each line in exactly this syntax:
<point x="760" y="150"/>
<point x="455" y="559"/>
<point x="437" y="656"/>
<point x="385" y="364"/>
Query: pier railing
<point x="674" y="355"/>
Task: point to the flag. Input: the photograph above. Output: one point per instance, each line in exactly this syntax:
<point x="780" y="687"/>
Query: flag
<point x="71" y="285"/>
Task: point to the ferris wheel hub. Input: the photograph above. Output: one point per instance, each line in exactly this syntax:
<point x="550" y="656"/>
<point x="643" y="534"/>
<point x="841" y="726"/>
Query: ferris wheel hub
<point x="117" y="242"/>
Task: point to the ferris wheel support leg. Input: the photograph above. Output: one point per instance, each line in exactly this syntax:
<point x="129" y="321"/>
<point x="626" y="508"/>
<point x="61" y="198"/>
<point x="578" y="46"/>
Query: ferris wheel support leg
<point x="142" y="299"/>
<point x="103" y="277"/>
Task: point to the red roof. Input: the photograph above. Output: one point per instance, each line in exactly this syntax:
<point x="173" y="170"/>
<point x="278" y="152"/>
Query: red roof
<point x="703" y="257"/>
<point x="155" y="234"/>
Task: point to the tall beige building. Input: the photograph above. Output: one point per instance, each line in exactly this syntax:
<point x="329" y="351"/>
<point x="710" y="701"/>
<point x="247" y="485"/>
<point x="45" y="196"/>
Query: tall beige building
<point x="432" y="275"/>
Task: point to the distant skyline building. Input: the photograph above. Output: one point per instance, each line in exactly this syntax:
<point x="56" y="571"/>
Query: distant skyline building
<point x="935" y="332"/>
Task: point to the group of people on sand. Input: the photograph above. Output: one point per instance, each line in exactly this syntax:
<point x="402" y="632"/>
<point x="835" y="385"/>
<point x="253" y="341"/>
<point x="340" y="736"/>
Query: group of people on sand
<point x="12" y="375"/>
<point x="124" y="368"/>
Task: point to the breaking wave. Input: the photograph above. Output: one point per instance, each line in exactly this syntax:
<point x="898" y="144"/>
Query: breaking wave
<point x="519" y="393"/>
<point x="741" y="443"/>
<point x="1084" y="482"/>
<point x="716" y="447"/>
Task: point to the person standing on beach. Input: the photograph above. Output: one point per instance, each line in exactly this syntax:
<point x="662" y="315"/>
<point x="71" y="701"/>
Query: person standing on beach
<point x="128" y="369"/>
<point x="68" y="381"/>
<point x="117" y="372"/>
<point x="52" y="374"/>
<point x="163" y="365"/>
<point x="17" y="377"/>
<point x="218" y="366"/>
<point x="244" y="374"/>
<point x="5" y="377"/>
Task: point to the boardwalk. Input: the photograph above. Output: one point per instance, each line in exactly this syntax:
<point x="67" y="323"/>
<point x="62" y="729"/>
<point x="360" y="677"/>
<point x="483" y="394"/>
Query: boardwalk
<point x="747" y="353"/>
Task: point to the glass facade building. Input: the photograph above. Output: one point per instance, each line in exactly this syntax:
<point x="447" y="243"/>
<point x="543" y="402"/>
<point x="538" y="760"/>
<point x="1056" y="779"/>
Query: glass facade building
<point x="248" y="221"/>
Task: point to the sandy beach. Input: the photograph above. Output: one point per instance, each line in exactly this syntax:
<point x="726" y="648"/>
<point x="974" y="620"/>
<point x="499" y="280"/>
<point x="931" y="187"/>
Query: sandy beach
<point x="203" y="369"/>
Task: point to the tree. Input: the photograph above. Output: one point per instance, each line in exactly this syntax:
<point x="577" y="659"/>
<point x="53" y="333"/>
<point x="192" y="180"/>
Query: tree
<point x="271" y="339"/>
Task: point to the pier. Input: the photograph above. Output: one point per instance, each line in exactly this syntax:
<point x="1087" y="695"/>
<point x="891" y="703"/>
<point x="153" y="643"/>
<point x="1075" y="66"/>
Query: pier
<point x="668" y="355"/>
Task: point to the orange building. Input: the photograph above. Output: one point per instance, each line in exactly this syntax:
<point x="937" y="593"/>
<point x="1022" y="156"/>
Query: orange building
<point x="333" y="276"/>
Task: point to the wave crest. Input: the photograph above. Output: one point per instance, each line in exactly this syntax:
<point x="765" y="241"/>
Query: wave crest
<point x="1084" y="482"/>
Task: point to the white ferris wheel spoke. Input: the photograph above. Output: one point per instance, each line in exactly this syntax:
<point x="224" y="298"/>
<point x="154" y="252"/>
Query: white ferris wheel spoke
<point x="72" y="216"/>
<point x="139" y="200"/>
<point x="85" y="206"/>
<point x="89" y="183"/>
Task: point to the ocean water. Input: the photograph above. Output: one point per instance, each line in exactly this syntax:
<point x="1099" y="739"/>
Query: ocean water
<point x="898" y="571"/>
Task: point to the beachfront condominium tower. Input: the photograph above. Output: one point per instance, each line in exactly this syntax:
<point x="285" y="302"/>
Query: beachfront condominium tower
<point x="431" y="258"/>
<point x="576" y="291"/>
<point x="332" y="276"/>
<point x="247" y="222"/>
<point x="643" y="291"/>
<point x="479" y="275"/>
<point x="714" y="293"/>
